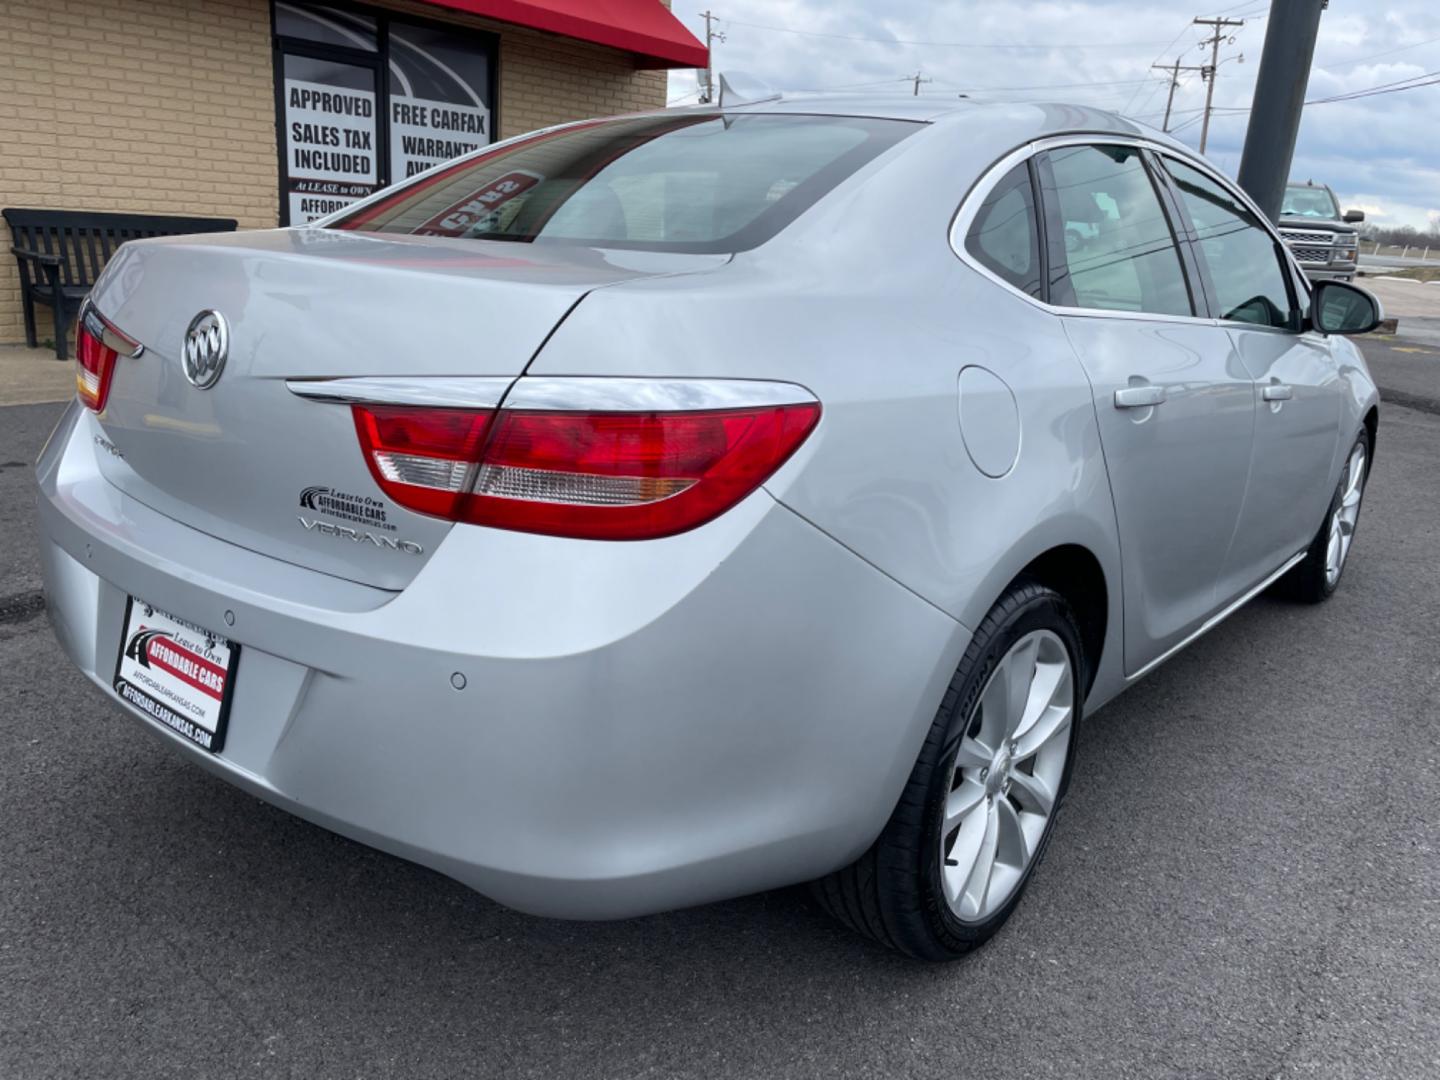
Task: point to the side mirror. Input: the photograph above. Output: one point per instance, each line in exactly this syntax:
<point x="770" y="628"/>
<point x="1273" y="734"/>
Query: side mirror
<point x="1337" y="307"/>
<point x="1353" y="217"/>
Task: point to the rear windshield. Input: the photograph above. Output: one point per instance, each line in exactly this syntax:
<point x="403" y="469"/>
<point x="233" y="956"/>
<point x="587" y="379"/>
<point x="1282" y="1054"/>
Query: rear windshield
<point x="688" y="183"/>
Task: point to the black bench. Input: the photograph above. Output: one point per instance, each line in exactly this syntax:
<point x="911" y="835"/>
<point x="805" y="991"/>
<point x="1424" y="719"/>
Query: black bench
<point x="61" y="253"/>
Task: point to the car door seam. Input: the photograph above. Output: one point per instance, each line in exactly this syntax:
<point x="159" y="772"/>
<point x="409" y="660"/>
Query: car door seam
<point x="1109" y="480"/>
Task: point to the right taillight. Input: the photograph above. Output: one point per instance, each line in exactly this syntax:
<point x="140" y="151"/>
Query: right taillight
<point x="592" y="475"/>
<point x="94" y="364"/>
<point x="98" y="345"/>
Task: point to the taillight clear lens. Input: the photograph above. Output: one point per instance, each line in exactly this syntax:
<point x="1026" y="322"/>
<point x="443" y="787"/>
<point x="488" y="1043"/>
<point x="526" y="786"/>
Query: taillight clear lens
<point x="614" y="476"/>
<point x="94" y="366"/>
<point x="424" y="459"/>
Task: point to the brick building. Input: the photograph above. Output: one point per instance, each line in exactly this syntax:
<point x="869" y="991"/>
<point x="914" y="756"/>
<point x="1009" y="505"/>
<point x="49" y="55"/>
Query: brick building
<point x="275" y="111"/>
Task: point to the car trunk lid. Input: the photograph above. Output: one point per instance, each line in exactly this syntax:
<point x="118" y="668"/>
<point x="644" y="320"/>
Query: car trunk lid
<point x="248" y="460"/>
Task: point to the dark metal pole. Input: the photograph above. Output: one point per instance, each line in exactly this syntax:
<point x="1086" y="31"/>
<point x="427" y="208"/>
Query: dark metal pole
<point x="1279" y="101"/>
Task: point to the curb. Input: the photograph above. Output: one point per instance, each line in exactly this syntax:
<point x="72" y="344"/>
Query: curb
<point x="1410" y="401"/>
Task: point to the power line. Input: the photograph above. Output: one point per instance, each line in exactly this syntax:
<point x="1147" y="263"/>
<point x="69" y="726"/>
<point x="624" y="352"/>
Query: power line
<point x="1174" y="70"/>
<point x="1376" y="56"/>
<point x="1430" y="78"/>
<point x="1232" y="7"/>
<point x="1044" y="86"/>
<point x="1220" y="26"/>
<point x="1131" y="108"/>
<point x="848" y="86"/>
<point x="941" y="44"/>
<point x="1146" y="101"/>
<point x="1384" y="88"/>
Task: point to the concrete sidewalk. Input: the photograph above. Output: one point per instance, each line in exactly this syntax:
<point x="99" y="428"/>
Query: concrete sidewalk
<point x="1404" y="296"/>
<point x="34" y="376"/>
<point x="1406" y="364"/>
<point x="1415" y="303"/>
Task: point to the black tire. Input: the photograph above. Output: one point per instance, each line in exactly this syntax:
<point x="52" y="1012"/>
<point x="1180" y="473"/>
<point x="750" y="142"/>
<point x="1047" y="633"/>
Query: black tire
<point x="893" y="892"/>
<point x="1307" y="582"/>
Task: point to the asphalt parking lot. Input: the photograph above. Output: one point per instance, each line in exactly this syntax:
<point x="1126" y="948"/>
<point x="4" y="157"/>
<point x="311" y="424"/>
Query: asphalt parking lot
<point x="1245" y="883"/>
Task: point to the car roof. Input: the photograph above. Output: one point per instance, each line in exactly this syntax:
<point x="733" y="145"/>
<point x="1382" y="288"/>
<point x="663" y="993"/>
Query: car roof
<point x="1026" y="121"/>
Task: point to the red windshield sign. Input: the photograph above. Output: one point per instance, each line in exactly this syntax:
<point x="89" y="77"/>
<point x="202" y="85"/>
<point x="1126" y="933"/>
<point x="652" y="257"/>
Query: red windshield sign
<point x="460" y="218"/>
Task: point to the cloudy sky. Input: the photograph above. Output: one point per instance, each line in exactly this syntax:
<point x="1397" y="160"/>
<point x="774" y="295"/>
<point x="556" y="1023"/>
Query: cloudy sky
<point x="1380" y="153"/>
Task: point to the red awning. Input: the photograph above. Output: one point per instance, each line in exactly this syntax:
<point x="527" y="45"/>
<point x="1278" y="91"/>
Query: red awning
<point x="642" y="27"/>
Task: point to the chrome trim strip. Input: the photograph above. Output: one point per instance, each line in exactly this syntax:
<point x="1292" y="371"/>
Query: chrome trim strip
<point x="110" y="335"/>
<point x="458" y="392"/>
<point x="601" y="394"/>
<point x="975" y="197"/>
<point x="1219" y="617"/>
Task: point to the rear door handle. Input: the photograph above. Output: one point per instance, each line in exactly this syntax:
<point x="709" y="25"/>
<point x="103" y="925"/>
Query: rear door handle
<point x="1139" y="397"/>
<point x="1278" y="392"/>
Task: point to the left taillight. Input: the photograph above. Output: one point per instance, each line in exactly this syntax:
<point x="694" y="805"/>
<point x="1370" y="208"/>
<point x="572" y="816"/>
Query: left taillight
<point x="98" y="344"/>
<point x="600" y="475"/>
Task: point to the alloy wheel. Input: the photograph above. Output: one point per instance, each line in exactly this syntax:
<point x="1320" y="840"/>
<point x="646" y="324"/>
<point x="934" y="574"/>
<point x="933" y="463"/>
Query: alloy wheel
<point x="1006" y="777"/>
<point x="1346" y="515"/>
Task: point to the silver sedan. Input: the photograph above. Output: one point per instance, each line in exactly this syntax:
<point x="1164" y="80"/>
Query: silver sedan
<point x="658" y="509"/>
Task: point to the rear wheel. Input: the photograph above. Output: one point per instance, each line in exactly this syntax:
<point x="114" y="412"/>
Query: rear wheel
<point x="1317" y="576"/>
<point x="978" y="810"/>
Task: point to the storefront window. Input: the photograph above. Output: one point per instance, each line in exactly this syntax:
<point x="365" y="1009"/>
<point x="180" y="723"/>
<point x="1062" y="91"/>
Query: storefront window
<point x="326" y="25"/>
<point x="438" y="93"/>
<point x="329" y="136"/>
<point x="364" y="101"/>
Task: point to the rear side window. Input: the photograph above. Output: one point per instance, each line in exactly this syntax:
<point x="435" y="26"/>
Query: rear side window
<point x="1004" y="236"/>
<point x="1119" y="250"/>
<point x="1244" y="261"/>
<point x="702" y="182"/>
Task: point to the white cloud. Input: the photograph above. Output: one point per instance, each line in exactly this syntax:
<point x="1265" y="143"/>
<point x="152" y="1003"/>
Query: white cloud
<point x="1379" y="145"/>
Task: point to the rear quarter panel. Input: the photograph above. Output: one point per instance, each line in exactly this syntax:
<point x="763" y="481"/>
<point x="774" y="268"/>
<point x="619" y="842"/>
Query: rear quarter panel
<point x="863" y="302"/>
<point x="1358" y="395"/>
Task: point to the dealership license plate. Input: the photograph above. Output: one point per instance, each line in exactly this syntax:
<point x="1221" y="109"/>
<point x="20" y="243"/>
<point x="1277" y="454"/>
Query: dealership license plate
<point x="177" y="673"/>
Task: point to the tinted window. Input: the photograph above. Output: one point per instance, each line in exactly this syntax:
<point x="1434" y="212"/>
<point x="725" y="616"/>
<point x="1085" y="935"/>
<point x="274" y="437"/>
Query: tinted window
<point x="1244" y="261"/>
<point x="1004" y="237"/>
<point x="326" y="25"/>
<point x="1119" y="249"/>
<point x="697" y="182"/>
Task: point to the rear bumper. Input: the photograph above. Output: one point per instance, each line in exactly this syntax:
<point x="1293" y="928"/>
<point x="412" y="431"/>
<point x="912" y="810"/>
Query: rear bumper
<point x="643" y="726"/>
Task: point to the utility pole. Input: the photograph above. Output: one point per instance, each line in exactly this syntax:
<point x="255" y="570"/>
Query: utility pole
<point x="917" y="81"/>
<point x="1174" y="70"/>
<point x="1279" y="101"/>
<point x="1210" y="71"/>
<point x="711" y="36"/>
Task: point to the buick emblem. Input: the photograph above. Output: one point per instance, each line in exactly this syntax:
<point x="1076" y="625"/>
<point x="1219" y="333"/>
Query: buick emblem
<point x="207" y="343"/>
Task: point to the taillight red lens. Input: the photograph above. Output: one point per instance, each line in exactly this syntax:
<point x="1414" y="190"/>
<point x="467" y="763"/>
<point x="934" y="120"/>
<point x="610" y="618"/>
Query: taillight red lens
<point x="424" y="459"/>
<point x="612" y="476"/>
<point x="94" y="366"/>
